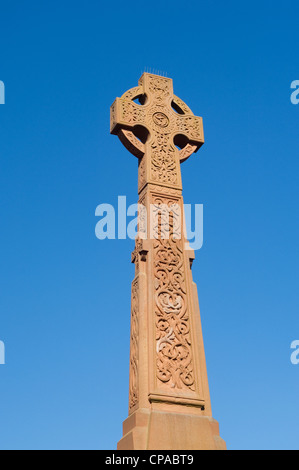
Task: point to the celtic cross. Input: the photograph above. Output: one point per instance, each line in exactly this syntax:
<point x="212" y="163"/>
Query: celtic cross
<point x="168" y="379"/>
<point x="153" y="128"/>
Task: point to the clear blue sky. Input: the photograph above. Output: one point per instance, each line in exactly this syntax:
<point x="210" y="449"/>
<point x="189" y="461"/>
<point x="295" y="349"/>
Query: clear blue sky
<point x="65" y="296"/>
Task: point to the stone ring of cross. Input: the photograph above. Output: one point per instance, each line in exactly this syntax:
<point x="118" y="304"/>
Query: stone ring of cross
<point x="151" y="112"/>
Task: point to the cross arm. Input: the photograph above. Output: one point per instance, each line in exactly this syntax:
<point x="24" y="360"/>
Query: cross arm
<point x="125" y="114"/>
<point x="192" y="128"/>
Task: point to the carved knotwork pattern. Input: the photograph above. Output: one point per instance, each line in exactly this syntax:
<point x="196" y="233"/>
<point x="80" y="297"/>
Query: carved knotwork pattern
<point x="133" y="386"/>
<point x="163" y="152"/>
<point x="163" y="162"/>
<point x="132" y="113"/>
<point x="160" y="88"/>
<point x="190" y="125"/>
<point x="173" y="338"/>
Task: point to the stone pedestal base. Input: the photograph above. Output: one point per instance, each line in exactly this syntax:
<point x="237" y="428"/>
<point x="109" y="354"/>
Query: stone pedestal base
<point x="159" y="430"/>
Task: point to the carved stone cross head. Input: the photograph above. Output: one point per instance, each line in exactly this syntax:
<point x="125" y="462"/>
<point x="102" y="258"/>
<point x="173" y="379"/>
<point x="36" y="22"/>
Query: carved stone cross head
<point x="155" y="124"/>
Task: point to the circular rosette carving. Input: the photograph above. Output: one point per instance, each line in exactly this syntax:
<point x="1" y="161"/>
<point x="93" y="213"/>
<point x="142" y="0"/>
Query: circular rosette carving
<point x="160" y="119"/>
<point x="182" y="328"/>
<point x="162" y="326"/>
<point x="171" y="304"/>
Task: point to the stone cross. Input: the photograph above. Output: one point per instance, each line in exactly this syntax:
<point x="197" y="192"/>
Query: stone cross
<point x="154" y="128"/>
<point x="169" y="401"/>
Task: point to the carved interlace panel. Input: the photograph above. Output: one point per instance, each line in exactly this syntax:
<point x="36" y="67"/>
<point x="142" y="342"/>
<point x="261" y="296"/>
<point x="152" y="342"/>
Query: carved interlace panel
<point x="160" y="88"/>
<point x="163" y="162"/>
<point x="133" y="385"/>
<point x="132" y="113"/>
<point x="163" y="151"/>
<point x="173" y="337"/>
<point x="191" y="125"/>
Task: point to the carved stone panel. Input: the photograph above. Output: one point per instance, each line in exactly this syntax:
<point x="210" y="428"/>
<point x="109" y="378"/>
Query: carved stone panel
<point x="133" y="382"/>
<point x="174" y="357"/>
